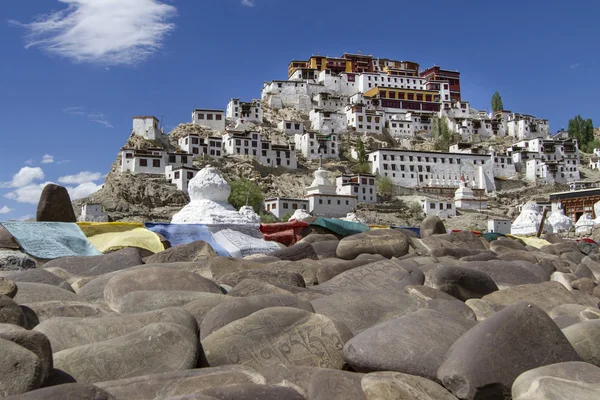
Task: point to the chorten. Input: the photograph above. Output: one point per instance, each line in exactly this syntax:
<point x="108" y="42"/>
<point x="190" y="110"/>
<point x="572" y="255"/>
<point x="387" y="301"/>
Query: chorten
<point x="529" y="221"/>
<point x="559" y="221"/>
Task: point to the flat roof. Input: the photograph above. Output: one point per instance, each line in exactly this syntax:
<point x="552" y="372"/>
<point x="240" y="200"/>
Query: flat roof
<point x="429" y="152"/>
<point x="285" y="199"/>
<point x="575" y="194"/>
<point x="145" y="117"/>
<point x="208" y="109"/>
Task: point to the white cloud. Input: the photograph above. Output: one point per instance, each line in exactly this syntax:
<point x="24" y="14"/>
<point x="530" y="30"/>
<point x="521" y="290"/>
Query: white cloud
<point x="106" y="32"/>
<point x="91" y="116"/>
<point x="5" y="210"/>
<point x="47" y="159"/>
<point x="248" y="3"/>
<point x="574" y="66"/>
<point x="29" y="162"/>
<point x="24" y="177"/>
<point x="25" y="217"/>
<point x="82" y="177"/>
<point x="30" y="194"/>
<point x="83" y="190"/>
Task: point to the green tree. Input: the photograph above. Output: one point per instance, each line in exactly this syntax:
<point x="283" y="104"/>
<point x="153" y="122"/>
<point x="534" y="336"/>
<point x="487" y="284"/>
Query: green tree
<point x="497" y="102"/>
<point x="362" y="160"/>
<point x="384" y="185"/>
<point x="442" y="134"/>
<point x="582" y="130"/>
<point x="244" y="191"/>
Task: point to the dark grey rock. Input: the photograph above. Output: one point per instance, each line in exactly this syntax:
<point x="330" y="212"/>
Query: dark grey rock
<point x="395" y="385"/>
<point x="36" y="292"/>
<point x="7" y="288"/>
<point x="255" y="287"/>
<point x="70" y="391"/>
<point x="20" y="369"/>
<point x="274" y="276"/>
<point x="326" y="249"/>
<point x="432" y="225"/>
<point x="483" y="309"/>
<point x="55" y="205"/>
<point x="194" y="251"/>
<point x="252" y="391"/>
<point x="316" y="238"/>
<point x="426" y="293"/>
<point x="38" y="344"/>
<point x="509" y="273"/>
<point x="546" y="295"/>
<point x="386" y="242"/>
<point x="7" y="241"/>
<point x="585" y="338"/>
<point x="299" y="251"/>
<point x="51" y="309"/>
<point x="11" y="260"/>
<point x="97" y="265"/>
<point x="335" y="266"/>
<point x="201" y="306"/>
<point x="11" y="313"/>
<point x="36" y="275"/>
<point x="462" y="283"/>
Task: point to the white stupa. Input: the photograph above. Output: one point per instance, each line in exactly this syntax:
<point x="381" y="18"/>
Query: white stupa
<point x="299" y="215"/>
<point x="352" y="217"/>
<point x="559" y="221"/>
<point x="597" y="213"/>
<point x="209" y="192"/>
<point x="464" y="197"/>
<point x="529" y="220"/>
<point x="584" y="224"/>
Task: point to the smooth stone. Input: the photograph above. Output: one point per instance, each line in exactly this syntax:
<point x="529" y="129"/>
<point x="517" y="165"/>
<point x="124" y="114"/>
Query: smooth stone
<point x="452" y="308"/>
<point x="573" y="256"/>
<point x="307" y="268"/>
<point x="148" y="300"/>
<point x="432" y="225"/>
<point x="221" y="266"/>
<point x="11" y="313"/>
<point x="11" y="260"/>
<point x="68" y="391"/>
<point x="316" y="383"/>
<point x="326" y="249"/>
<point x="362" y="310"/>
<point x="20" y="369"/>
<point x="202" y="305"/>
<point x="509" y="273"/>
<point x="398" y="386"/>
<point x="483" y="309"/>
<point x="317" y="237"/>
<point x="194" y="251"/>
<point x="585" y="285"/>
<point x="65" y="333"/>
<point x="462" y="283"/>
<point x="35" y="342"/>
<point x="299" y="251"/>
<point x="93" y="290"/>
<point x="201" y="268"/>
<point x="37" y="292"/>
<point x="274" y="276"/>
<point x="483" y="256"/>
<point x="36" y="275"/>
<point x="561" y="278"/>
<point x="7" y="241"/>
<point x="375" y="277"/>
<point x="585" y="338"/>
<point x="252" y="391"/>
<point x="254" y="287"/>
<point x="180" y="383"/>
<point x="55" y="205"/>
<point x="578" y="311"/>
<point x="398" y="345"/>
<point x="240" y="307"/>
<point x="426" y="293"/>
<point x="78" y="267"/>
<point x="582" y="271"/>
<point x="8" y="288"/>
<point x="485" y="361"/>
<point x="546" y="295"/>
<point x="329" y="268"/>
<point x="278" y="335"/>
<point x="568" y="380"/>
<point x="121" y="285"/>
<point x="45" y="310"/>
<point x="386" y="242"/>
<point x="158" y="347"/>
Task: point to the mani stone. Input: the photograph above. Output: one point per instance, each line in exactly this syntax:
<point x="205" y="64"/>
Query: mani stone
<point x="569" y="380"/>
<point x="55" y="205"/>
<point x="386" y="242"/>
<point x="255" y="287"/>
<point x="180" y="383"/>
<point x="70" y="391"/>
<point x="546" y="295"/>
<point x="44" y="310"/>
<point x="35" y="342"/>
<point x="432" y="225"/>
<point x="299" y="251"/>
<point x="20" y="369"/>
<point x="397" y="386"/>
<point x="484" y="362"/>
<point x="283" y="335"/>
<point x="251" y="391"/>
<point x="585" y="338"/>
<point x="11" y="313"/>
<point x="462" y="283"/>
<point x="331" y="267"/>
<point x="7" y="241"/>
<point x="414" y="344"/>
<point x="11" y="260"/>
<point x="274" y="276"/>
<point x="158" y="347"/>
<point x="483" y="309"/>
<point x="37" y="275"/>
<point x="7" y="288"/>
<point x="35" y="292"/>
<point x="194" y="251"/>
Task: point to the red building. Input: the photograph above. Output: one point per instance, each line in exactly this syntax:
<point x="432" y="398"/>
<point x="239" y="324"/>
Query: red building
<point x="436" y="74"/>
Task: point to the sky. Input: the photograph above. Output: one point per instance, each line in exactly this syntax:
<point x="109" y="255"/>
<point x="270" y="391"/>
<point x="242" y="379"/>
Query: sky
<point x="73" y="73"/>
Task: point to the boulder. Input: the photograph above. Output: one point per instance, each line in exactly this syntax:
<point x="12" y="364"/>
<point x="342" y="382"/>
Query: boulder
<point x="37" y="275"/>
<point x="452" y="308"/>
<point x="278" y="335"/>
<point x="362" y="310"/>
<point x="202" y="305"/>
<point x="509" y="273"/>
<point x="70" y="391"/>
<point x="55" y="205"/>
<point x="194" y="251"/>
<point x="126" y="283"/>
<point x="299" y="251"/>
<point x="585" y="338"/>
<point x="20" y="369"/>
<point x="274" y="276"/>
<point x="563" y="279"/>
<point x="326" y="249"/>
<point x="331" y="267"/>
<point x="157" y="347"/>
<point x="568" y="380"/>
<point x="397" y="345"/>
<point x="546" y="295"/>
<point x="432" y="225"/>
<point x="462" y="283"/>
<point x="65" y="333"/>
<point x="11" y="313"/>
<point x="41" y="311"/>
<point x="386" y="242"/>
<point x="582" y="271"/>
<point x="7" y="241"/>
<point x="252" y="391"/>
<point x="394" y="386"/>
<point x="148" y="300"/>
<point x="485" y="361"/>
<point x="585" y="285"/>
<point x="36" y="343"/>
<point x="180" y="383"/>
<point x="426" y="293"/>
<point x="483" y="309"/>
<point x="307" y="268"/>
<point x="36" y="292"/>
<point x="254" y="287"/>
<point x="379" y="276"/>
<point x="7" y="288"/>
<point x="11" y="260"/>
<point x="221" y="266"/>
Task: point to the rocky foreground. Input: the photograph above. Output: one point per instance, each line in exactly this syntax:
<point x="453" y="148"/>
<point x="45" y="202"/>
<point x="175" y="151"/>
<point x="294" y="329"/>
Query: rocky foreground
<point x="377" y="315"/>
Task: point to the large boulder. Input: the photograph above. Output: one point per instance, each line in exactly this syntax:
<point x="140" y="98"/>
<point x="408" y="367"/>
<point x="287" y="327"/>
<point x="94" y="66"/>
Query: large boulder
<point x="11" y="260"/>
<point x="568" y="380"/>
<point x="252" y="391"/>
<point x="11" y="313"/>
<point x="255" y="287"/>
<point x="432" y="225"/>
<point x="274" y="276"/>
<point x="386" y="242"/>
<point x="331" y="267"/>
<point x="485" y="361"/>
<point x="397" y="345"/>
<point x="55" y="205"/>
<point x="158" y="347"/>
<point x="20" y="369"/>
<point x="510" y="273"/>
<point x="7" y="241"/>
<point x="36" y="292"/>
<point x="70" y="391"/>
<point x="395" y="385"/>
<point x="35" y="342"/>
<point x="43" y="310"/>
<point x="37" y="275"/>
<point x="194" y="251"/>
<point x="585" y="338"/>
<point x="299" y="251"/>
<point x="278" y="335"/>
<point x="78" y="267"/>
<point x="462" y="283"/>
<point x="546" y="295"/>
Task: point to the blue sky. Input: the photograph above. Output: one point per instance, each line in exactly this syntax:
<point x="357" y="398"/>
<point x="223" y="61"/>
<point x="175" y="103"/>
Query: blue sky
<point x="74" y="72"/>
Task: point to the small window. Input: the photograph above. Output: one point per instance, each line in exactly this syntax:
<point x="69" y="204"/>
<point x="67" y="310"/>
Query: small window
<point x="190" y="175"/>
<point x="156" y="163"/>
<point x="285" y="206"/>
<point x="176" y="174"/>
<point x="143" y="162"/>
<point x="128" y="155"/>
<point x="218" y="117"/>
<point x="274" y="206"/>
<point x="200" y="116"/>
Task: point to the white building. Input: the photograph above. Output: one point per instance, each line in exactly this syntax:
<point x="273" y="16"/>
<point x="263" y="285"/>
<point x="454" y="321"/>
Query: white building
<point x="409" y="168"/>
<point x="251" y="144"/>
<point x="290" y="127"/>
<point x="240" y="111"/>
<point x="502" y="163"/>
<point x="547" y="160"/>
<point x="147" y="127"/>
<point x="180" y="176"/>
<point x="281" y="206"/>
<point x="440" y="208"/>
<point x="92" y="213"/>
<point x="213" y="119"/>
<point x="360" y="185"/>
<point x="522" y="126"/>
<point x="327" y="122"/>
<point x="323" y="199"/>
<point x="196" y="145"/>
<point x="362" y="119"/>
<point x="313" y="145"/>
<point x="499" y="226"/>
<point x="465" y="197"/>
<point x="595" y="159"/>
<point x="152" y="161"/>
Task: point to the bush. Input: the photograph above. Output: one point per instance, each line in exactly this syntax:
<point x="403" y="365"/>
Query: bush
<point x="244" y="191"/>
<point x="268" y="218"/>
<point x="384" y="185"/>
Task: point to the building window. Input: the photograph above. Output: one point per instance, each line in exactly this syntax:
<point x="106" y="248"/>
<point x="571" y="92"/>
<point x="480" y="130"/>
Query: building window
<point x="128" y="155"/>
<point x="176" y="174"/>
<point x="156" y="163"/>
<point x="328" y="201"/>
<point x="143" y="162"/>
<point x="200" y="116"/>
<point x="184" y="159"/>
<point x="285" y="206"/>
<point x="190" y="175"/>
<point x="172" y="159"/>
<point x="320" y="201"/>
